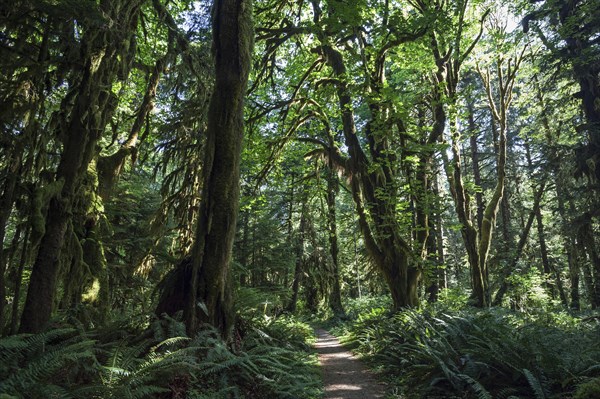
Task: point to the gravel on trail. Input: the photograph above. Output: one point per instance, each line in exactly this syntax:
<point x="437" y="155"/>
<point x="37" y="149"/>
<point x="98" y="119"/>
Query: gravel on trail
<point x="344" y="376"/>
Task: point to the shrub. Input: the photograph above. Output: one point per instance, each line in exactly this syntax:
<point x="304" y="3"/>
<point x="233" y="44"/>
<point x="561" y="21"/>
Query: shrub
<point x="479" y="353"/>
<point x="272" y="360"/>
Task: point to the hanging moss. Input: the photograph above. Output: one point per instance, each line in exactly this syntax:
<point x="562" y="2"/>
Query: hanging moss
<point x="92" y="294"/>
<point x="40" y="201"/>
<point x="93" y="255"/>
<point x="74" y="272"/>
<point x="90" y="204"/>
<point x="96" y="293"/>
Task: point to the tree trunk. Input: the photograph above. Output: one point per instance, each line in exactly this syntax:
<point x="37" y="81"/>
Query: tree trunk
<point x="298" y="269"/>
<point x="570" y="246"/>
<point x="335" y="297"/>
<point x="110" y="167"/>
<point x="233" y="38"/>
<point x="500" y="115"/>
<point x="475" y="162"/>
<point x="437" y="241"/>
<point x="243" y="249"/>
<point x="6" y="205"/>
<point x="586" y="236"/>
<point x="14" y="318"/>
<point x="574" y="273"/>
<point x="25" y="114"/>
<point x="378" y="224"/>
<point x="520" y="246"/>
<point x="470" y="233"/>
<point x="580" y="43"/>
<point x="290" y="225"/>
<point x="561" y="193"/>
<point x="588" y="280"/>
<point x="548" y="270"/>
<point x="94" y="105"/>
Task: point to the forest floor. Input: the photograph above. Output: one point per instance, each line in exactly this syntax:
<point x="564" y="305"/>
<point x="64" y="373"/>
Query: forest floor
<point x="344" y="376"/>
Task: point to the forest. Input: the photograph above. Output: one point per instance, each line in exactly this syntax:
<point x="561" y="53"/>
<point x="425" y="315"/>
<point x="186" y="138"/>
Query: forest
<point x="189" y="188"/>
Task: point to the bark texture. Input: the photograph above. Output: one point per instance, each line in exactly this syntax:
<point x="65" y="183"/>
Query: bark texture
<point x="93" y="107"/>
<point x="210" y="300"/>
<point x="335" y="296"/>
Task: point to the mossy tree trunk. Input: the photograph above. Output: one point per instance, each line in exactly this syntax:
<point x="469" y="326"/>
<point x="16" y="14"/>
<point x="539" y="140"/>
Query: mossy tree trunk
<point x="232" y="45"/>
<point x="20" y="111"/>
<point x="370" y="178"/>
<point x="299" y="261"/>
<point x="6" y="205"/>
<point x="478" y="239"/>
<point x="587" y="238"/>
<point x="110" y="167"/>
<point x="335" y="296"/>
<point x="372" y="167"/>
<point x="449" y="59"/>
<point x="94" y="105"/>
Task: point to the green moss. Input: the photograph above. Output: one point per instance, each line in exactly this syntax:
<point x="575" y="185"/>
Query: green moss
<point x="246" y="34"/>
<point x="92" y="293"/>
<point x="97" y="293"/>
<point x="588" y="390"/>
<point x="40" y="200"/>
<point x="94" y="256"/>
<point x="91" y="199"/>
<point x="75" y="273"/>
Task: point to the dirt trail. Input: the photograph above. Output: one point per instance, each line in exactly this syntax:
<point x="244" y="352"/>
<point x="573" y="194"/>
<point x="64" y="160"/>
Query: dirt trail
<point x="344" y="376"/>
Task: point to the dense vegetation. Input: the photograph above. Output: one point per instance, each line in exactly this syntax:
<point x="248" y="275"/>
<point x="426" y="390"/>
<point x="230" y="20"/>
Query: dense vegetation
<point x="445" y="352"/>
<point x="181" y="180"/>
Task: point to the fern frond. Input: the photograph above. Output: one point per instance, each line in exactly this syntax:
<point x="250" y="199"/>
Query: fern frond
<point x="535" y="384"/>
<point x="479" y="389"/>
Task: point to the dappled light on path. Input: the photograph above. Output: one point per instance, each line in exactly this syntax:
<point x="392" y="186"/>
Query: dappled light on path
<point x="344" y="376"/>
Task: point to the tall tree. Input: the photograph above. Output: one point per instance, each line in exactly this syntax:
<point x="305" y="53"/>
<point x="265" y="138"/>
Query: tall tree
<point x="335" y="296"/>
<point x="93" y="106"/>
<point x="233" y="38"/>
<point x="571" y="35"/>
<point x="478" y="240"/>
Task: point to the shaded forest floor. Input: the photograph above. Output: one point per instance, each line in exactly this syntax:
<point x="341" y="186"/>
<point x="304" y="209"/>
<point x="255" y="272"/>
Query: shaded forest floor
<point x="447" y="351"/>
<point x="344" y="376"/>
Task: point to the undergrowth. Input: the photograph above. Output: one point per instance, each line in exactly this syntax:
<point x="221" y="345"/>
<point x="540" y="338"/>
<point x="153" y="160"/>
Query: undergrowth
<point x="269" y="358"/>
<point x="440" y="352"/>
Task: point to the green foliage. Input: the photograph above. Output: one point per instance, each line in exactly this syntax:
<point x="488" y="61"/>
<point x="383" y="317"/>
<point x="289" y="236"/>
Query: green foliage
<point x="44" y="365"/>
<point x="279" y="354"/>
<point x="269" y="359"/>
<point x="588" y="390"/>
<point x="483" y="354"/>
<point x="454" y="298"/>
<point x="527" y="291"/>
<point x="253" y="302"/>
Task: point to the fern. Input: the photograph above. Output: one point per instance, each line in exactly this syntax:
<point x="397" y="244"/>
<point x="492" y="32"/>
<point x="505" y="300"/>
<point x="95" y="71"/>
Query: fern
<point x="491" y="352"/>
<point x="120" y="362"/>
<point x="40" y="365"/>
<point x="535" y="384"/>
<point x="479" y="389"/>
